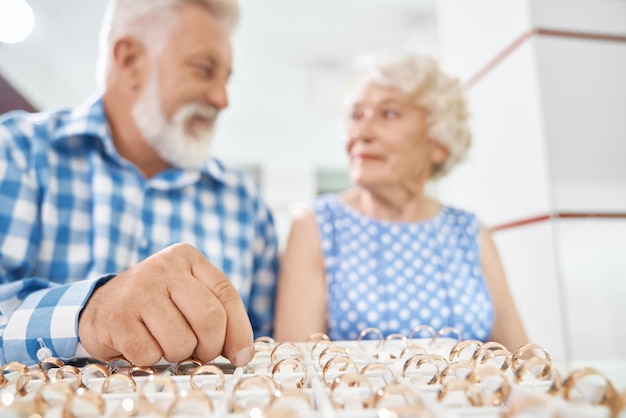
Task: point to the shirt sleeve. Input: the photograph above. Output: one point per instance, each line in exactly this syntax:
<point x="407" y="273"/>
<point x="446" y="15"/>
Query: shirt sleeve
<point x="33" y="310"/>
<point x="265" y="275"/>
<point x="30" y="308"/>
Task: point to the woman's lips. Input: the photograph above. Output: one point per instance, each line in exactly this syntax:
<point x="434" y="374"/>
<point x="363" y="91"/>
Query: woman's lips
<point x="366" y="157"/>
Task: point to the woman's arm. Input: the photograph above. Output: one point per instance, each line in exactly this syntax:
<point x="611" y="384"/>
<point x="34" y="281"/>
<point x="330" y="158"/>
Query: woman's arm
<point x="302" y="297"/>
<point x="507" y="326"/>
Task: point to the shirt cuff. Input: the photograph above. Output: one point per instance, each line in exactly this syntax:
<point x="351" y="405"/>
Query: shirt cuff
<point x="50" y="315"/>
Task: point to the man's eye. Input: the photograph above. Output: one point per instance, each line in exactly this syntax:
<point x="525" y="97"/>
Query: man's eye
<point x="390" y="113"/>
<point x="205" y="71"/>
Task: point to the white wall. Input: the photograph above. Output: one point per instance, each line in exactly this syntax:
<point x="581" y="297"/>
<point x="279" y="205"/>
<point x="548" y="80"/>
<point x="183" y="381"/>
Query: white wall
<point x="550" y="139"/>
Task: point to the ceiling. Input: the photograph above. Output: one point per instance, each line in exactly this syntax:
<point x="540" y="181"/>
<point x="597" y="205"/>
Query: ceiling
<point x="292" y="60"/>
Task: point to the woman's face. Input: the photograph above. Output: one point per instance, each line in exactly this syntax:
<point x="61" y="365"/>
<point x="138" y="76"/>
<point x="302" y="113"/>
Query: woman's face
<point x="388" y="142"/>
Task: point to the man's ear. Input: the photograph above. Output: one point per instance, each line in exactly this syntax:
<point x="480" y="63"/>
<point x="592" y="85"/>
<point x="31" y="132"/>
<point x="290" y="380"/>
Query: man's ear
<point x="130" y="60"/>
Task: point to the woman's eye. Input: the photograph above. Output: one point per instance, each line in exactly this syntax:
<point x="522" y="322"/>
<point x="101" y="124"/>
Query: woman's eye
<point x="356" y="114"/>
<point x="390" y="113"/>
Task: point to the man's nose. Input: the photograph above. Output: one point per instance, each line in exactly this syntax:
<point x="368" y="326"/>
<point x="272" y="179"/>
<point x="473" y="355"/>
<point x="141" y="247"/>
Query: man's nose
<point x="217" y="95"/>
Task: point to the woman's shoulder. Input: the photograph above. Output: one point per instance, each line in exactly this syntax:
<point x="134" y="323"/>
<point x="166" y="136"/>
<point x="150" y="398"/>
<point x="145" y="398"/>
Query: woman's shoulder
<point x="461" y="218"/>
<point x="328" y="203"/>
<point x="458" y="213"/>
<point x="333" y="209"/>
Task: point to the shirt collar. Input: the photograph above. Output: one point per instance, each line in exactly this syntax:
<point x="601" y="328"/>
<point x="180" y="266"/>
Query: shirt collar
<point x="89" y="120"/>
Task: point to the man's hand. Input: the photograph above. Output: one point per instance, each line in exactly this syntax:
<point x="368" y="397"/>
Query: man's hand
<point x="173" y="305"/>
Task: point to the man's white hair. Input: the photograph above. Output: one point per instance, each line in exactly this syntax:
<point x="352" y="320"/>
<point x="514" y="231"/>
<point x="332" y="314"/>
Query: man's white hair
<point x="427" y="86"/>
<point x="138" y="17"/>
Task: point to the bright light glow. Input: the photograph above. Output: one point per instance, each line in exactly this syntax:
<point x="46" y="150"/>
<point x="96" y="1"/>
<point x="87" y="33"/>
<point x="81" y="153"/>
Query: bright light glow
<point x="16" y="21"/>
<point x="294" y="208"/>
<point x="7" y="399"/>
<point x="256" y="413"/>
<point x="128" y="405"/>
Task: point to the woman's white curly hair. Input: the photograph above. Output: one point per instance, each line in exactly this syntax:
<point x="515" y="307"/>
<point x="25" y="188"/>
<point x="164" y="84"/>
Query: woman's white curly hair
<point x="134" y="17"/>
<point x="427" y="86"/>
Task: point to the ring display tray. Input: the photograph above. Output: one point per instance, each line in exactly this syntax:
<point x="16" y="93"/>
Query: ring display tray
<point x="427" y="374"/>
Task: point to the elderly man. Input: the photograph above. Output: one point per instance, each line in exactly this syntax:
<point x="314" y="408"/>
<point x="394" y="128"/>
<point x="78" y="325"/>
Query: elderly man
<point x="119" y="235"/>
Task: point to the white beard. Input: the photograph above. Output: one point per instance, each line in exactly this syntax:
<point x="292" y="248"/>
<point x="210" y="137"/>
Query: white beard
<point x="171" y="139"/>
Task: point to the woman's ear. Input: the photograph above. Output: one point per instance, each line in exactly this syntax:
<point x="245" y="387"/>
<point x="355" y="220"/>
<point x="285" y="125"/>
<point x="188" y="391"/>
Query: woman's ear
<point x="129" y="60"/>
<point x="438" y="153"/>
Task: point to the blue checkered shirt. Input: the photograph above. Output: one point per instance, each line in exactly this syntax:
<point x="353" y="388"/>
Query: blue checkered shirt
<point x="73" y="213"/>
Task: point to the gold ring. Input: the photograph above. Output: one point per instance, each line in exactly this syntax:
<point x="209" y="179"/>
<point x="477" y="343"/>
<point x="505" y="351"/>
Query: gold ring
<point x="137" y="371"/>
<point x="137" y="407"/>
<point x="10" y="408"/>
<point x="412" y="404"/>
<point x="469" y="391"/>
<point x="333" y="349"/>
<point x="619" y="406"/>
<point x="126" y="380"/>
<point x="298" y="394"/>
<point x="314" y="338"/>
<point x="207" y="369"/>
<point x="67" y="370"/>
<point x="246" y="382"/>
<point x="420" y="329"/>
<point x="186" y="367"/>
<point x="119" y="364"/>
<point x="13" y="366"/>
<point x="445" y="331"/>
<point x="343" y="361"/>
<point x="609" y="394"/>
<point x="410" y="350"/>
<point x="494" y="354"/>
<point x="48" y="363"/>
<point x="443" y="362"/>
<point x="87" y="372"/>
<point x="84" y="399"/>
<point x="260" y="347"/>
<point x="260" y="359"/>
<point x="296" y="364"/>
<point x="557" y="384"/>
<point x="452" y="369"/>
<point x="388" y="376"/>
<point x="267" y="340"/>
<point x="52" y="394"/>
<point x="526" y="405"/>
<point x="187" y="402"/>
<point x="484" y="348"/>
<point x="458" y="349"/>
<point x="366" y="332"/>
<point x="419" y="360"/>
<point x="531" y="364"/>
<point x="158" y="383"/>
<point x="480" y="374"/>
<point x="285" y="346"/>
<point x="24" y="380"/>
<point x="351" y="380"/>
<point x="519" y="356"/>
<point x="394" y="337"/>
<point x="319" y="346"/>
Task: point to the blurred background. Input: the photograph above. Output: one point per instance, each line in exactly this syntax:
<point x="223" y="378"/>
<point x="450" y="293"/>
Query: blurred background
<point x="547" y="88"/>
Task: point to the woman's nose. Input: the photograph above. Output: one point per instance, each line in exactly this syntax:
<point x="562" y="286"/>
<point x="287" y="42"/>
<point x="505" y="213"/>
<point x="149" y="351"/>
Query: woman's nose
<point x="362" y="129"/>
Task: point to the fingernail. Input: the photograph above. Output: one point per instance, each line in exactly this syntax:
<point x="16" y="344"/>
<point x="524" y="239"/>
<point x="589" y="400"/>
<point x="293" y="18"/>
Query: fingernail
<point x="243" y="357"/>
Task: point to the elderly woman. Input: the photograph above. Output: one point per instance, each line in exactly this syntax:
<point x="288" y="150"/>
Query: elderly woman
<point x="384" y="254"/>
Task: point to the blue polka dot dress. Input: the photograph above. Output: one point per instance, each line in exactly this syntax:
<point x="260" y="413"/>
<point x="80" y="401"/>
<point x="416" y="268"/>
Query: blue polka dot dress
<point x="397" y="275"/>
